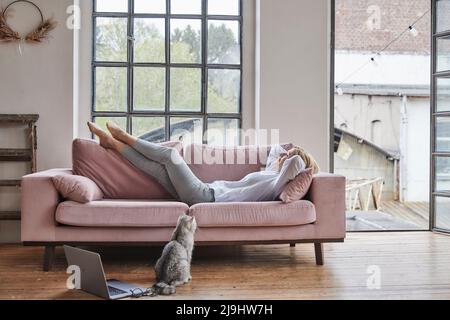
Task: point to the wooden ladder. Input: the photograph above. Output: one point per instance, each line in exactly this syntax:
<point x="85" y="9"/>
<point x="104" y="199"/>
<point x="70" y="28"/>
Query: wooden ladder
<point x="18" y="155"/>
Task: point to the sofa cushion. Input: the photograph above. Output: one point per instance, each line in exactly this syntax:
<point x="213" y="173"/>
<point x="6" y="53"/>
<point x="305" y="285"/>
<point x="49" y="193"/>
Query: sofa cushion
<point x="253" y="214"/>
<point x="120" y="213"/>
<point x="77" y="188"/>
<point x="114" y="175"/>
<point x="210" y="163"/>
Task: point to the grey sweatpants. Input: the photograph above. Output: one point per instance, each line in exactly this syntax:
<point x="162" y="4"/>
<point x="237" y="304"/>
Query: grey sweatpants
<point x="168" y="167"/>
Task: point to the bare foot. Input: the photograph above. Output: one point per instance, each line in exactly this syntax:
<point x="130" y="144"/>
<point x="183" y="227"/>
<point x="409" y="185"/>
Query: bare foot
<point x="106" y="141"/>
<point x="120" y="134"/>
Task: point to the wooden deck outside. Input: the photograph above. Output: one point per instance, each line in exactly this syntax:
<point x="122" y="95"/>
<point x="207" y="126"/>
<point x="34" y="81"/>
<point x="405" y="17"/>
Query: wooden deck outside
<point x="415" y="212"/>
<point x="392" y="215"/>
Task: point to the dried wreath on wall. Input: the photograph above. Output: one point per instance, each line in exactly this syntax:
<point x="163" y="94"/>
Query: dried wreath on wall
<point x="7" y="34"/>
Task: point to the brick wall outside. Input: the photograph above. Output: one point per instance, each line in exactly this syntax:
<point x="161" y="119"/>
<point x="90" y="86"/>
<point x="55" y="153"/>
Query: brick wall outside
<point x="368" y="25"/>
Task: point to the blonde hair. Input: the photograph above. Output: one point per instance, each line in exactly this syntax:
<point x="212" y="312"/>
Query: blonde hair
<point x="310" y="162"/>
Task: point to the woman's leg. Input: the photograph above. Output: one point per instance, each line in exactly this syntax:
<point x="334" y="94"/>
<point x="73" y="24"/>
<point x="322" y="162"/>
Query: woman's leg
<point x="152" y="168"/>
<point x="152" y="151"/>
<point x="188" y="187"/>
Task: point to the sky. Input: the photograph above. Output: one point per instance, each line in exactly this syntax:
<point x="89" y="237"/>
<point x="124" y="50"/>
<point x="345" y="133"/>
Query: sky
<point x="215" y="7"/>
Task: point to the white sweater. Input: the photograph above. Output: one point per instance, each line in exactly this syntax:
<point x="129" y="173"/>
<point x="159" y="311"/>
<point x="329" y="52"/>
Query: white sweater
<point x="264" y="185"/>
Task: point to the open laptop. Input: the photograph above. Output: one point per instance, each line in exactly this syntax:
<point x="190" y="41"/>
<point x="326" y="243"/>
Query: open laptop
<point x="93" y="278"/>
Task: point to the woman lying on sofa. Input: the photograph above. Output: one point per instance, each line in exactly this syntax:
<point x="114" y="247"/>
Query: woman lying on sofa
<point x="168" y="167"/>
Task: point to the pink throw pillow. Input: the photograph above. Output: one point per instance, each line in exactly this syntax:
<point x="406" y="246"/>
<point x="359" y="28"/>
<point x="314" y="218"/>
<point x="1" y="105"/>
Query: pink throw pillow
<point x="298" y="187"/>
<point x="77" y="188"/>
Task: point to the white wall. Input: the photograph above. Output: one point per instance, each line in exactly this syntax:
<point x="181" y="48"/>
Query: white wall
<point x="358" y="111"/>
<point x="389" y="69"/>
<point x="84" y="77"/>
<point x="407" y="135"/>
<point x="417" y="153"/>
<point x="40" y="81"/>
<point x="294" y="70"/>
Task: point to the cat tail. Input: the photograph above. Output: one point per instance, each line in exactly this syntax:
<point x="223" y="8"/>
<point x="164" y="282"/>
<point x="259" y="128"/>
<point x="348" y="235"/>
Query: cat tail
<point x="163" y="288"/>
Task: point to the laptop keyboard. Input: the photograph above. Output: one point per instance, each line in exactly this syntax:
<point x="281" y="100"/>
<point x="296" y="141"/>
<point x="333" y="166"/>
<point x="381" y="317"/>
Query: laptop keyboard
<point x="114" y="291"/>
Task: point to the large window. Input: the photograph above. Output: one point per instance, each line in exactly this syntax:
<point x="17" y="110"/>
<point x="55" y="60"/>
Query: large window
<point x="162" y="68"/>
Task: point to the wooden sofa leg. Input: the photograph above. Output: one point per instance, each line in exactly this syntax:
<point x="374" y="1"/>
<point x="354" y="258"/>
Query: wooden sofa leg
<point x="318" y="248"/>
<point x="292" y="245"/>
<point x="49" y="255"/>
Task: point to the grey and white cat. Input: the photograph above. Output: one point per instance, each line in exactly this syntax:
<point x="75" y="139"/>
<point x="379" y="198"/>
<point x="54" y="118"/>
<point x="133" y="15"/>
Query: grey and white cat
<point x="173" y="268"/>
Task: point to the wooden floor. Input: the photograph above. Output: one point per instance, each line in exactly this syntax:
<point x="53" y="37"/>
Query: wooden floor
<point x="412" y="265"/>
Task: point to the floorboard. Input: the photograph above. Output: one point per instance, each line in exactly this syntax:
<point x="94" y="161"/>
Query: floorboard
<point x="412" y="265"/>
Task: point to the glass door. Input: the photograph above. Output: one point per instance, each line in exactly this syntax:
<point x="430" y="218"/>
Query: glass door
<point x="440" y="93"/>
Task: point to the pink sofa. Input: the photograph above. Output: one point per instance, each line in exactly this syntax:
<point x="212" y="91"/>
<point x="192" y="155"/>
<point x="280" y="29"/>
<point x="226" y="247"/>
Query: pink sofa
<point x="138" y="211"/>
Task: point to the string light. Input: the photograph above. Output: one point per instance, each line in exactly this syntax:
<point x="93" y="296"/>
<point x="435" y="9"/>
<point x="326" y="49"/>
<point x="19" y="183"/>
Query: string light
<point x="413" y="31"/>
<point x="372" y="59"/>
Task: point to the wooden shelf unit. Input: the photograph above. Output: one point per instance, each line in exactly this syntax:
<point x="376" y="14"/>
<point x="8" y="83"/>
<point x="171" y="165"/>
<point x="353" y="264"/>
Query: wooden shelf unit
<point x="15" y="155"/>
<point x="19" y="154"/>
<point x="9" y="215"/>
<point x="10" y="183"/>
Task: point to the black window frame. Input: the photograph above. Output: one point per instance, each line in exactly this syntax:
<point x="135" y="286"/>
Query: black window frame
<point x="435" y="115"/>
<point x="204" y="66"/>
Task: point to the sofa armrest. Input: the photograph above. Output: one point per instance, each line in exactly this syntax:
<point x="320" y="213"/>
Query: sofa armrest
<point x="327" y="192"/>
<point x="39" y="200"/>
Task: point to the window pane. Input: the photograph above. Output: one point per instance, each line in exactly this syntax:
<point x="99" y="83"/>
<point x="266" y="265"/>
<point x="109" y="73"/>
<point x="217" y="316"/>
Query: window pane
<point x="110" y="89"/>
<point x="223" y="132"/>
<point x="185" y="89"/>
<point x="442" y="209"/>
<point x="189" y="130"/>
<point x="443" y="54"/>
<point x="112" y="6"/>
<point x="223" y="91"/>
<point x="223" y="7"/>
<point x="149" y="44"/>
<point x="120" y="121"/>
<point x="149" y="128"/>
<point x="443" y="134"/>
<point x="443" y="94"/>
<point x="223" y="42"/>
<point x="442" y="15"/>
<point x="150" y="6"/>
<point x="442" y="172"/>
<point x="185" y="41"/>
<point x="149" y="88"/>
<point x="111" y="39"/>
<point x="186" y="6"/>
